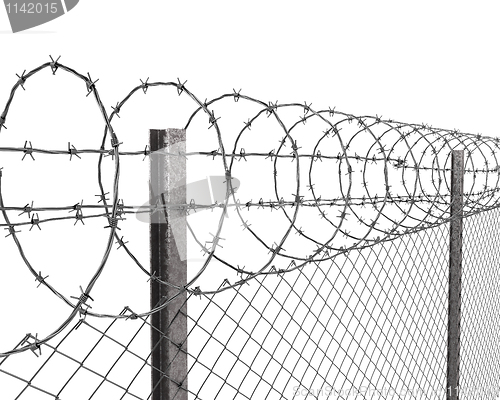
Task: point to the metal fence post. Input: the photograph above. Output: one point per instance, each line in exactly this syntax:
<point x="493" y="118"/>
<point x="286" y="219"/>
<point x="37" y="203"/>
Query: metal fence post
<point x="168" y="262"/>
<point x="455" y="274"/>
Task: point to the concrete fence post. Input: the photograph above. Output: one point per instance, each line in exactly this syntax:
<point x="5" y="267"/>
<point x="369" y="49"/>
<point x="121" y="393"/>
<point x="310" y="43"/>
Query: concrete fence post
<point x="455" y="274"/>
<point x="168" y="246"/>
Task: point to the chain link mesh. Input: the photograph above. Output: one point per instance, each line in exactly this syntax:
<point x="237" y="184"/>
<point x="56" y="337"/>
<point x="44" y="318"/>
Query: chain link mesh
<point x="479" y="340"/>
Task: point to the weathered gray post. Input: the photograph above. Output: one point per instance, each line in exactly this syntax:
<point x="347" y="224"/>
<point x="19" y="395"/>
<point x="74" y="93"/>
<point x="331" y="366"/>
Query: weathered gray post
<point x="455" y="274"/>
<point x="168" y="262"/>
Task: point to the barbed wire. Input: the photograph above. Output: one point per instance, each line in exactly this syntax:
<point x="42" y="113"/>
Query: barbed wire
<point x="417" y="154"/>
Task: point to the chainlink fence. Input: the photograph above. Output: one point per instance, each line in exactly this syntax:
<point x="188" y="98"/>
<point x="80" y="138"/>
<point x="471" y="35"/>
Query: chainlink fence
<point x="322" y="273"/>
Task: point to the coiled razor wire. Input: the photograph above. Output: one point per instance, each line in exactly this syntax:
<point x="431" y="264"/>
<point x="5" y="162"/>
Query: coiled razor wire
<point x="418" y="153"/>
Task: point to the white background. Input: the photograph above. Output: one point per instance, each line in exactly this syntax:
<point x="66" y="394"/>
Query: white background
<point x="435" y="63"/>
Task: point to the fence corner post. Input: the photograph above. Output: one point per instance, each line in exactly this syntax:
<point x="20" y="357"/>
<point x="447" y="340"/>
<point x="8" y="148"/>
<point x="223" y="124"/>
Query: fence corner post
<point x="455" y="274"/>
<point x="168" y="251"/>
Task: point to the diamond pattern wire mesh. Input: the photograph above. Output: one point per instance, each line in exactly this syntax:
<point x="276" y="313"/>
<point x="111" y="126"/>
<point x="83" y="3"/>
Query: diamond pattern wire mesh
<point x="94" y="360"/>
<point x="479" y="337"/>
<point x="374" y="320"/>
<point x="373" y="323"/>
